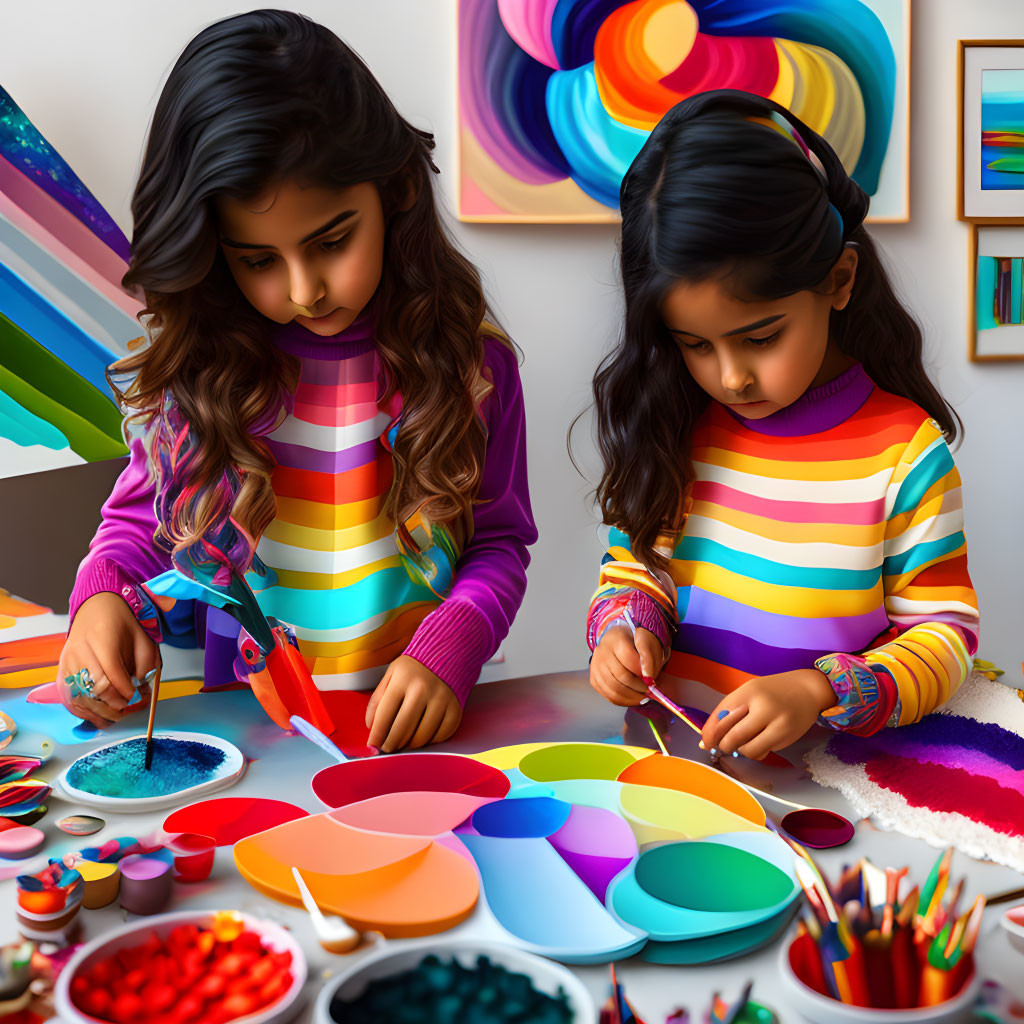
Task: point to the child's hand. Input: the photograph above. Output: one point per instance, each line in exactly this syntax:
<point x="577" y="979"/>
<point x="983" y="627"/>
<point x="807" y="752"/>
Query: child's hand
<point x="768" y="713"/>
<point x="411" y="708"/>
<point x="619" y="662"/>
<point x="106" y="639"/>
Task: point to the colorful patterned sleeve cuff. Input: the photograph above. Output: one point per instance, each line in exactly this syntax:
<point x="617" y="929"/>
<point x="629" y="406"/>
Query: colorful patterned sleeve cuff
<point x="865" y="697"/>
<point x="648" y="614"/>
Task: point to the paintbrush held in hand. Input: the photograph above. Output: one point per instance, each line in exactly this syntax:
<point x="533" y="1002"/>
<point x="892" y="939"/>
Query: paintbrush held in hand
<point x="864" y="944"/>
<point x="153" y="697"/>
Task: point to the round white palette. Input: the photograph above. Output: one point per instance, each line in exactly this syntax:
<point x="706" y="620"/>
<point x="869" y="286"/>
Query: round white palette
<point x="179" y="788"/>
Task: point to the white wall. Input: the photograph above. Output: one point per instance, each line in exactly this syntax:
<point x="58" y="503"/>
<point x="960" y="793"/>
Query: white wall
<point x="88" y="75"/>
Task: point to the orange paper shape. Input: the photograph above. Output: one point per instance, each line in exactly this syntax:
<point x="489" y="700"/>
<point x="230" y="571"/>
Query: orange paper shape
<point x="690" y="777"/>
<point x="399" y="885"/>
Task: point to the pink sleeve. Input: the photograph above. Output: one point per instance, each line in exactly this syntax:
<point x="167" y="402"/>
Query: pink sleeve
<point x="455" y="639"/>
<point x="122" y="554"/>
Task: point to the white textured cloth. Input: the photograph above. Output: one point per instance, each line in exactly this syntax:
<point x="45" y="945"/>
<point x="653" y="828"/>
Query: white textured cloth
<point x="980" y="700"/>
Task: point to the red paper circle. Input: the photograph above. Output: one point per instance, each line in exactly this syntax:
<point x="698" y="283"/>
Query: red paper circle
<point x="232" y="818"/>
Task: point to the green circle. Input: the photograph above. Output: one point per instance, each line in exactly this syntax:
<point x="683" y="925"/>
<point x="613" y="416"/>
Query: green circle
<point x="711" y="877"/>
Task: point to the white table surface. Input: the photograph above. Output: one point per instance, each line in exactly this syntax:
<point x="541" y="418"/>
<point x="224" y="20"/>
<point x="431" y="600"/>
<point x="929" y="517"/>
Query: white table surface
<point x="540" y="708"/>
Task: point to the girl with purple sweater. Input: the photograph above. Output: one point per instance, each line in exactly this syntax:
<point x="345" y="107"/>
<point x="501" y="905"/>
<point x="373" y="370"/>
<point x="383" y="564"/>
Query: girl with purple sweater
<point x="321" y="406"/>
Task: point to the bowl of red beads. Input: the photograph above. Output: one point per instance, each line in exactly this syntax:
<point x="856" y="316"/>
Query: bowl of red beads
<point x="193" y="967"/>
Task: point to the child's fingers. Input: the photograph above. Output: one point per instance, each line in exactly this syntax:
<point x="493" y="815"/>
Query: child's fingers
<point x="742" y="732"/>
<point x="98" y="712"/>
<point x="115" y="687"/>
<point x="631" y="687"/>
<point x="450" y="722"/>
<point x="384" y="716"/>
<point x="404" y="725"/>
<point x="433" y="716"/>
<point x="613" y="690"/>
<point x="720" y="721"/>
<point x="622" y="649"/>
<point x="375" y="697"/>
<point x="651" y="653"/>
<point x="146" y="656"/>
<point x="772" y="737"/>
<point x="78" y="708"/>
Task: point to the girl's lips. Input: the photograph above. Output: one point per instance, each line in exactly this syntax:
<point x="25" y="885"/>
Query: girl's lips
<point x="318" y="319"/>
<point x="746" y="405"/>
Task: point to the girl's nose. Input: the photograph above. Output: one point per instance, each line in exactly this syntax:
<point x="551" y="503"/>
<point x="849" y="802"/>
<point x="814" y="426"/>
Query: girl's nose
<point x="735" y="376"/>
<point x="306" y="287"/>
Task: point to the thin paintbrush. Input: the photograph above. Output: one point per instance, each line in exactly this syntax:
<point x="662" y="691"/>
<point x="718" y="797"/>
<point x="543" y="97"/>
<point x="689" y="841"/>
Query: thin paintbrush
<point x="154" y="691"/>
<point x="657" y="736"/>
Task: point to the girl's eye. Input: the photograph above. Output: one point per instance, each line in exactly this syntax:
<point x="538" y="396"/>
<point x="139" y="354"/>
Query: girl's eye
<point x="699" y="346"/>
<point x="336" y="243"/>
<point x="261" y="263"/>
<point x="766" y="340"/>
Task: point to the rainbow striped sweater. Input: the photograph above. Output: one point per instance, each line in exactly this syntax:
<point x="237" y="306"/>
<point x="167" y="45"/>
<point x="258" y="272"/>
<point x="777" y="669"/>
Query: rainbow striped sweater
<point x="828" y="534"/>
<point x="336" y="572"/>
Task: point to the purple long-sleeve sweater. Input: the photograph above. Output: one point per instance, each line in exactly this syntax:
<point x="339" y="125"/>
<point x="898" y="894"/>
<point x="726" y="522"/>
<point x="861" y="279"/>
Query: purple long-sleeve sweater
<point x="453" y="637"/>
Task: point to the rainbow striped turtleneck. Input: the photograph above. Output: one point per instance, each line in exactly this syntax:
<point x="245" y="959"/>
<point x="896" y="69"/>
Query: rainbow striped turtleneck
<point x="336" y="572"/>
<point x="829" y="533"/>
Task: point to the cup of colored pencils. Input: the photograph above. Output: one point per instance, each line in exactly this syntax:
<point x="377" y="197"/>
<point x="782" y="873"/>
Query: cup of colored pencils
<point x="873" y="947"/>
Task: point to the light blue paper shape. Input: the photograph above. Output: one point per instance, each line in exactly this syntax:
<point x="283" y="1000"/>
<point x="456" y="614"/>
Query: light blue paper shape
<point x="536" y="897"/>
<point x="724" y="946"/>
<point x="589" y="792"/>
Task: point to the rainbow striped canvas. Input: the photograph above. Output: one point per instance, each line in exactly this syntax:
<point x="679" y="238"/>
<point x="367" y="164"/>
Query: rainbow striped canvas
<point x="954" y="778"/>
<point x="64" y="316"/>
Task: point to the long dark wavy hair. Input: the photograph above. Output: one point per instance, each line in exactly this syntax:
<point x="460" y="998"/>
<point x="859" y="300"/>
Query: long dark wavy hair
<point x="253" y="100"/>
<point x="714" y="193"/>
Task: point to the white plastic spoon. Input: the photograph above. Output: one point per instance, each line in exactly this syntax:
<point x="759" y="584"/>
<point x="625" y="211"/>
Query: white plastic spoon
<point x="333" y="933"/>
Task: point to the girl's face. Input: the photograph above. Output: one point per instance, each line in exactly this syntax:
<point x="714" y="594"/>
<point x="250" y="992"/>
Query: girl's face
<point x="308" y="254"/>
<point x="758" y="357"/>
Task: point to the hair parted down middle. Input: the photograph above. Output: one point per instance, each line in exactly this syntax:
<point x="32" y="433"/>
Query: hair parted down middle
<point x="715" y="192"/>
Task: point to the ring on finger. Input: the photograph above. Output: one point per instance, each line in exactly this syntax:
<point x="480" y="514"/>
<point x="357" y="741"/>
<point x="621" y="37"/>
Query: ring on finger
<point x="81" y="684"/>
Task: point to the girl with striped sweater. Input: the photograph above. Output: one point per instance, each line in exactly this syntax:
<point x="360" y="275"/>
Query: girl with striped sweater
<point x="786" y="532"/>
<point x="321" y="407"/>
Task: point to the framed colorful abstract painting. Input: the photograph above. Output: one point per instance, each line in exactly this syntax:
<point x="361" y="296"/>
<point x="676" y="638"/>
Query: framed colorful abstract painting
<point x="991" y="131"/>
<point x="556" y="97"/>
<point x="996" y="301"/>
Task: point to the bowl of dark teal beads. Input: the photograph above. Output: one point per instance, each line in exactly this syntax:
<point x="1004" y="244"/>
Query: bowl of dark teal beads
<point x="441" y="981"/>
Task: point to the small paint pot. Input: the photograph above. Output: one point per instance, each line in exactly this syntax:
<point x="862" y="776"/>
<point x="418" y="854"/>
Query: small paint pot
<point x="55" y="926"/>
<point x="817" y="828"/>
<point x="193" y="856"/>
<point x="102" y="883"/>
<point x="146" y="884"/>
<point x="815" y="1008"/>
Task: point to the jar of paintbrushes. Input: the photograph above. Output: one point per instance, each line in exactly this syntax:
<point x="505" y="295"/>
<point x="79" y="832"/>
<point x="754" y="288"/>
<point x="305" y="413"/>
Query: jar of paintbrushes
<point x="873" y="946"/>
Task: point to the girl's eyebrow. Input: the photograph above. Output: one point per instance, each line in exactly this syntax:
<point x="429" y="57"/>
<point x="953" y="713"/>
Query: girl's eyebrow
<point x="333" y="222"/>
<point x="739" y="330"/>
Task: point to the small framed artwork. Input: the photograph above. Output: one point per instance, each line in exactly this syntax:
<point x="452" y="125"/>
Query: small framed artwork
<point x="996" y="299"/>
<point x="990" y="161"/>
<point x="556" y="99"/>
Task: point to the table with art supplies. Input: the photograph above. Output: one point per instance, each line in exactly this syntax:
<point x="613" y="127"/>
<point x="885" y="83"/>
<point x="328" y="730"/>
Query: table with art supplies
<point x="550" y="826"/>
